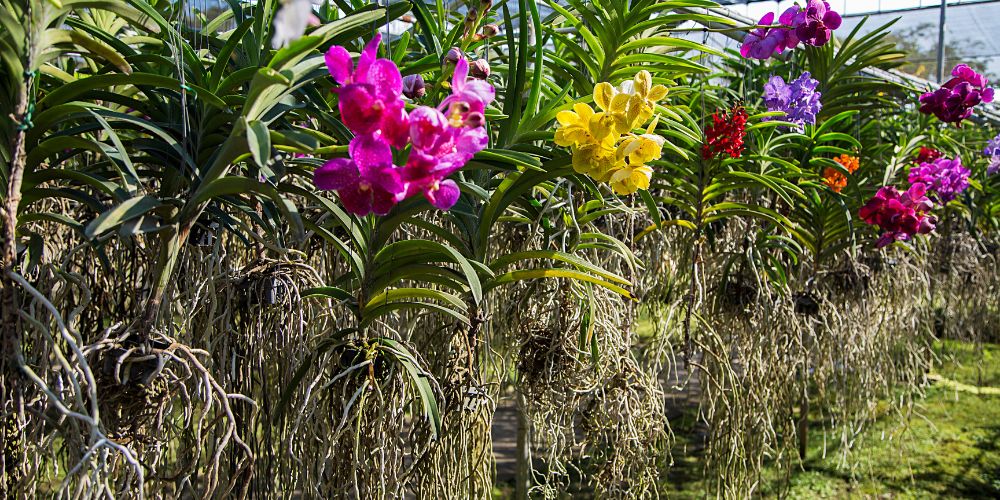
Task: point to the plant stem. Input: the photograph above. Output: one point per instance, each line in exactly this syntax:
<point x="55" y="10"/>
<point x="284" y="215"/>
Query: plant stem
<point x="10" y="342"/>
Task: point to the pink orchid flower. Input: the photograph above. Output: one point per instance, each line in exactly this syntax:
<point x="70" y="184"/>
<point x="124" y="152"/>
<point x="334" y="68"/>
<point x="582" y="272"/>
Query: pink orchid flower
<point x="440" y="148"/>
<point x="476" y="94"/>
<point x="361" y="191"/>
<point x="370" y="93"/>
<point x="762" y="43"/>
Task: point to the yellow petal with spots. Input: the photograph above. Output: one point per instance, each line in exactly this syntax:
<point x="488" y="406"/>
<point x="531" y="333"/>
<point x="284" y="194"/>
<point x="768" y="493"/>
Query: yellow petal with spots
<point x="603" y="94"/>
<point x="657" y="92"/>
<point x="643" y="81"/>
<point x="629" y="179"/>
<point x="602" y="125"/>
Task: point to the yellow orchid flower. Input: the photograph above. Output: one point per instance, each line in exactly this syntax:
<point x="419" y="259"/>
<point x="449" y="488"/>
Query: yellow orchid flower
<point x="643" y="96"/>
<point x="574" y="127"/>
<point x="628" y="179"/>
<point x="594" y="160"/>
<point x="615" y="104"/>
<point x="641" y="149"/>
<point x="583" y="126"/>
<point x="602" y="142"/>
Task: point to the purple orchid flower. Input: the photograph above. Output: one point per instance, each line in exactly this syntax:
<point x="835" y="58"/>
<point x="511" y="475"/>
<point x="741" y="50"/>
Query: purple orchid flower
<point x="946" y="178"/>
<point x="372" y="107"/>
<point x="788" y="19"/>
<point x="799" y="100"/>
<point x="763" y="43"/>
<point x="370" y="93"/>
<point x="953" y="102"/>
<point x="992" y="146"/>
<point x="814" y="24"/>
<point x="476" y="94"/>
<point x="440" y="148"/>
<point x="361" y="190"/>
<point x="900" y="215"/>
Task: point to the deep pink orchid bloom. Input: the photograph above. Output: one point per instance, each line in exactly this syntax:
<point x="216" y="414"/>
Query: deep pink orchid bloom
<point x="440" y="148"/>
<point x="900" y="215"/>
<point x="953" y="101"/>
<point x="361" y="190"/>
<point x="476" y="94"/>
<point x="763" y="43"/>
<point x="371" y="106"/>
<point x="370" y="93"/>
<point x="814" y="24"/>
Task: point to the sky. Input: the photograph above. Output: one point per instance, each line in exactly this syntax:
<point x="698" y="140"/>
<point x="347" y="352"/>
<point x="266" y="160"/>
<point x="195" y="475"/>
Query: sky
<point x="970" y="28"/>
<point x="842" y="6"/>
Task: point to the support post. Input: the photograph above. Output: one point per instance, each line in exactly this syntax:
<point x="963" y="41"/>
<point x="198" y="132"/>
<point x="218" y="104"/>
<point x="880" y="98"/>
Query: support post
<point x="941" y="41"/>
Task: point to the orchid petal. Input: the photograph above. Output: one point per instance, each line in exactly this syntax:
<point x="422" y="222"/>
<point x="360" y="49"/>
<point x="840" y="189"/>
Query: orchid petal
<point x="370" y="153"/>
<point x="338" y="63"/>
<point x="338" y="173"/>
<point x="444" y="195"/>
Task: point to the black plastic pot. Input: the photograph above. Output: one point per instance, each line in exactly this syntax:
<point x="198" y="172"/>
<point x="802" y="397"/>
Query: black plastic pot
<point x="203" y="234"/>
<point x="805" y="304"/>
<point x="269" y="291"/>
<point x="134" y="372"/>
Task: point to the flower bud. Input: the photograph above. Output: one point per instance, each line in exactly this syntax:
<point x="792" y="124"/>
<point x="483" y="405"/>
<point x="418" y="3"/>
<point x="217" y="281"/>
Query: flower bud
<point x="490" y="31"/>
<point x="485" y="5"/>
<point x="471" y="21"/>
<point x="452" y="57"/>
<point x="413" y="86"/>
<point x="479" y="69"/>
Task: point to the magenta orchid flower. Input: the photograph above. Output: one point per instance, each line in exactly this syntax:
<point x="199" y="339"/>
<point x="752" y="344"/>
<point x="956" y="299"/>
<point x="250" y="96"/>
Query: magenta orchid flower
<point x="370" y="93"/>
<point x="440" y="148"/>
<point x="371" y="106"/>
<point x="953" y="102"/>
<point x="476" y="94"/>
<point x="361" y="190"/>
<point x="900" y="215"/>
<point x="944" y="177"/>
<point x="814" y="24"/>
<point x="763" y="43"/>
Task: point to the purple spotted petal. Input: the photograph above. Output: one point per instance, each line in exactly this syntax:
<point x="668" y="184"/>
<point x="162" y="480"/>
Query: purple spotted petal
<point x="418" y="171"/>
<point x="368" y="56"/>
<point x="832" y="20"/>
<point x="471" y="141"/>
<point x="360" y="110"/>
<point x="338" y="63"/>
<point x="461" y="74"/>
<point x="357" y="201"/>
<point x="370" y="153"/>
<point x="384" y="76"/>
<point x="481" y="90"/>
<point x="428" y="129"/>
<point x="396" y="124"/>
<point x="386" y="179"/>
<point x="444" y="195"/>
<point x="382" y="202"/>
<point x="338" y="173"/>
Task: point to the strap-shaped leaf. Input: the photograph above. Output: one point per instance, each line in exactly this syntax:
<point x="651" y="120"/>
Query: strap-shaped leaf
<point x="531" y="274"/>
<point x="579" y="262"/>
<point x="121" y="213"/>
<point x="419" y="378"/>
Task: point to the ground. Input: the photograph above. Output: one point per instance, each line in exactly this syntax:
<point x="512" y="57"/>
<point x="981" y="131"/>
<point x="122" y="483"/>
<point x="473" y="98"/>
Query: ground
<point x="950" y="447"/>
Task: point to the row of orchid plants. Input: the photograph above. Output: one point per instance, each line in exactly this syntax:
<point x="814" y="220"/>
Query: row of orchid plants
<point x="616" y="143"/>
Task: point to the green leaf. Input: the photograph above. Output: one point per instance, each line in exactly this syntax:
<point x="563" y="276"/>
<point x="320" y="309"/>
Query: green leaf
<point x="259" y="142"/>
<point x="125" y="211"/>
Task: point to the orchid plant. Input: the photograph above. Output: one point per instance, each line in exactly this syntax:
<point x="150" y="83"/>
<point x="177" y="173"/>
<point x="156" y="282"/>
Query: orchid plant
<point x="441" y="140"/>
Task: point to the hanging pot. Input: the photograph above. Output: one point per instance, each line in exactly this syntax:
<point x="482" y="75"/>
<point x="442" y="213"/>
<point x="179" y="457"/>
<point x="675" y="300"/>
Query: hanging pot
<point x="805" y="304"/>
<point x="203" y="234"/>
